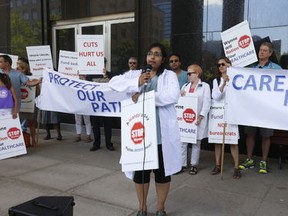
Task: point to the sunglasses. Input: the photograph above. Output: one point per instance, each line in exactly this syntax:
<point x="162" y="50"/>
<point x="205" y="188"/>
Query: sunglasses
<point x="221" y="64"/>
<point x="171" y="61"/>
<point x="190" y="73"/>
<point x="132" y="63"/>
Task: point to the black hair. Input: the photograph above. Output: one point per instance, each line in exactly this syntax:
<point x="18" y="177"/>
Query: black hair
<point x="176" y="54"/>
<point x="164" y="57"/>
<point x="6" y="80"/>
<point x="7" y="58"/>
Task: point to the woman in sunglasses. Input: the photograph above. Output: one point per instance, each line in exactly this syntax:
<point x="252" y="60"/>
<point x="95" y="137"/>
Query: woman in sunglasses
<point x="218" y="94"/>
<point x="202" y="91"/>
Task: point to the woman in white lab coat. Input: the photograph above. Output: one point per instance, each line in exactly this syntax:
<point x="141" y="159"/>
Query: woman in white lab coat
<point x="165" y="84"/>
<point x="218" y="94"/>
<point x="202" y="91"/>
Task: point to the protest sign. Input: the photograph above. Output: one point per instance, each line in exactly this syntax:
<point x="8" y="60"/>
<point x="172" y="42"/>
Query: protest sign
<point x="68" y="63"/>
<point x="258" y="97"/>
<point x="217" y="122"/>
<point x="238" y="45"/>
<point x="90" y="54"/>
<point x="139" y="148"/>
<point x="186" y="115"/>
<point x="62" y="93"/>
<point x="11" y="137"/>
<point x="39" y="58"/>
<point x="27" y="99"/>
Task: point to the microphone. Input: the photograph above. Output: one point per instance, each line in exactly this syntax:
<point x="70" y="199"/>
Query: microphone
<point x="147" y="68"/>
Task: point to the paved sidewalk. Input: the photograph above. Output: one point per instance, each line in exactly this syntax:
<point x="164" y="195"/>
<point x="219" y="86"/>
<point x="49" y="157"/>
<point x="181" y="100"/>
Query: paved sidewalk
<point x="64" y="168"/>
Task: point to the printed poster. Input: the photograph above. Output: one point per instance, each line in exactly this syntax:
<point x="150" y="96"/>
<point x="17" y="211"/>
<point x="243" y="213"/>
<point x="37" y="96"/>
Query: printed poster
<point x="11" y="138"/>
<point x="139" y="147"/>
<point x="90" y="54"/>
<point x="238" y="45"/>
<point x="217" y="122"/>
<point x="187" y="116"/>
<point x="39" y="58"/>
<point x="68" y="63"/>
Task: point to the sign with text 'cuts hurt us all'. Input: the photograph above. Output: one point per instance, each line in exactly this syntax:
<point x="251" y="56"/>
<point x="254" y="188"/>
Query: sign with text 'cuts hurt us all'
<point x="138" y="134"/>
<point x="187" y="116"/>
<point x="238" y="45"/>
<point x="68" y="63"/>
<point x="217" y="122"/>
<point x="39" y="58"/>
<point x="90" y="54"/>
<point x="11" y="138"/>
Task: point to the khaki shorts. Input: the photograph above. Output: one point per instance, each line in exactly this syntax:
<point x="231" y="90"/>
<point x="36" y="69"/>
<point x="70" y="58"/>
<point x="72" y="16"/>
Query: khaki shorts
<point x="264" y="132"/>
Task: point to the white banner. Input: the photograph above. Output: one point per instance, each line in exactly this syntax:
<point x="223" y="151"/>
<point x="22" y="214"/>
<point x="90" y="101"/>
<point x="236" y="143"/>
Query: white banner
<point x="27" y="99"/>
<point x="68" y="63"/>
<point x="238" y="45"/>
<point x="187" y="116"/>
<point x="90" y="54"/>
<point x="138" y="132"/>
<point x="11" y="138"/>
<point x="258" y="97"/>
<point x="39" y="58"/>
<point x="68" y="94"/>
<point x="217" y="124"/>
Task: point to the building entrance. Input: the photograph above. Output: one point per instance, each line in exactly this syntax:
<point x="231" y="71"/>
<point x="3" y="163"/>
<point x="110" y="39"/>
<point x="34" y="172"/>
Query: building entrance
<point x="118" y="32"/>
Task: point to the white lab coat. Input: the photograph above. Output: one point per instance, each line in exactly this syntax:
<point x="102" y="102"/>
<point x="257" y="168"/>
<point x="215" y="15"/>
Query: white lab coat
<point x="202" y="91"/>
<point x="166" y="97"/>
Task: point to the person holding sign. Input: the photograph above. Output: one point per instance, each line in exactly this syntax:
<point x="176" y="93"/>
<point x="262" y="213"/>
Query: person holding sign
<point x="218" y="94"/>
<point x="202" y="91"/>
<point x="165" y="84"/>
<point x="8" y="98"/>
<point x="17" y="78"/>
<point x="265" y="51"/>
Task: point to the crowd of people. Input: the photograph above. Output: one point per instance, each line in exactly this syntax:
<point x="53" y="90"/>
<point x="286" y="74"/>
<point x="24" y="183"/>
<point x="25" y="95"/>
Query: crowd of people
<point x="169" y="85"/>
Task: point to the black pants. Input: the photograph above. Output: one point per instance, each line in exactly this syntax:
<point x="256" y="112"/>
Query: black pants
<point x="97" y="122"/>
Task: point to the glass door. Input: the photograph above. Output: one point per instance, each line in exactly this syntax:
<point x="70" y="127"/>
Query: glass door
<point x="119" y="39"/>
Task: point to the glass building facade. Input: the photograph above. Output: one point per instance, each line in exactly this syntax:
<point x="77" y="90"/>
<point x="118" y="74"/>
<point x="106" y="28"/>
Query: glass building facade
<point x="189" y="27"/>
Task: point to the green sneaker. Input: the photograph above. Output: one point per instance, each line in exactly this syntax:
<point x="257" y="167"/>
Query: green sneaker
<point x="263" y="167"/>
<point x="247" y="164"/>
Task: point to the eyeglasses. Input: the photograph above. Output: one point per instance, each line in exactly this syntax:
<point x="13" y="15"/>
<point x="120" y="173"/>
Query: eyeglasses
<point x="221" y="64"/>
<point x="171" y="61"/>
<point x="156" y="54"/>
<point x="132" y="63"/>
<point x="190" y="73"/>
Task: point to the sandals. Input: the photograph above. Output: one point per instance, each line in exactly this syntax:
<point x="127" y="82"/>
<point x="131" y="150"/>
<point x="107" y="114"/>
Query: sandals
<point x="237" y="173"/>
<point x="193" y="170"/>
<point x="216" y="170"/>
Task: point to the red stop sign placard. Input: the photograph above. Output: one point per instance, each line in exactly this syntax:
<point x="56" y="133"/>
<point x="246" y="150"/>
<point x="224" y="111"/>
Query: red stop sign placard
<point x="189" y="116"/>
<point x="244" y="41"/>
<point x="24" y="93"/>
<point x="137" y="133"/>
<point x="14" y="133"/>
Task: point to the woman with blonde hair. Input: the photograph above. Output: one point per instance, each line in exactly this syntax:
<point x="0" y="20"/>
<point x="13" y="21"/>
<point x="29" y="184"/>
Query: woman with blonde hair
<point x="202" y="91"/>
